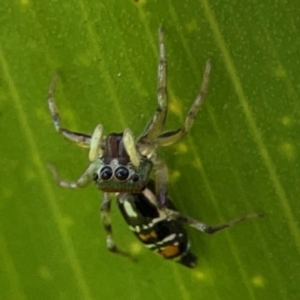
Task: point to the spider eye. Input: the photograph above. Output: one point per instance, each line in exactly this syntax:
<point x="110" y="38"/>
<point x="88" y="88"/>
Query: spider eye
<point x="122" y="173"/>
<point x="106" y="173"/>
<point x="95" y="176"/>
<point x="135" y="177"/>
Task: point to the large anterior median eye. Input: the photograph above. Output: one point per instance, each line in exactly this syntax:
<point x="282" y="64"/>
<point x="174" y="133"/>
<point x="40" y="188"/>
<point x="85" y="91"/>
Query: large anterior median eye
<point x="106" y="173"/>
<point x="121" y="173"/>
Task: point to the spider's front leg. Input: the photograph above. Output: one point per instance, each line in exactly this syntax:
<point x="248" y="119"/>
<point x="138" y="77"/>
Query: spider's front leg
<point x="80" y="139"/>
<point x="105" y="218"/>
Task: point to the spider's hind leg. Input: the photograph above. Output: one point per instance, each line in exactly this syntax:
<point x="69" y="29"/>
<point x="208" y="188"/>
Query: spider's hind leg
<point x="206" y="228"/>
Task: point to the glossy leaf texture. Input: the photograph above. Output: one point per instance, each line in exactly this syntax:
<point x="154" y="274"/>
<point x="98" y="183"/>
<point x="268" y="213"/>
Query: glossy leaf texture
<point x="242" y="155"/>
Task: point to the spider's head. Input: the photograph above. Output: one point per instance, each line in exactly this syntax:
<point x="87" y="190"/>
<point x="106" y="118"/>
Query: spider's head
<point x="121" y="169"/>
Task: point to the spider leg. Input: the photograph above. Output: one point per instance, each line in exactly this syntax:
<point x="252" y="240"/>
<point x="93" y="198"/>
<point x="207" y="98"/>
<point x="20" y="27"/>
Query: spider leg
<point x="145" y="143"/>
<point x="161" y="180"/>
<point x="105" y="218"/>
<point x="206" y="228"/>
<point x="171" y="137"/>
<point x="83" y="181"/>
<point x="80" y="139"/>
<point x="154" y="127"/>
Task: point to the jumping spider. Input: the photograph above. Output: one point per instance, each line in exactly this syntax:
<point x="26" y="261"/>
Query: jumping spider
<point x="120" y="164"/>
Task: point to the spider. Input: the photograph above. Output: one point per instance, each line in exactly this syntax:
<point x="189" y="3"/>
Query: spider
<point x="121" y="164"/>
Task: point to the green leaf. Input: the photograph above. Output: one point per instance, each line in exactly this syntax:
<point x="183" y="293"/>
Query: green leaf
<point x="241" y="156"/>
